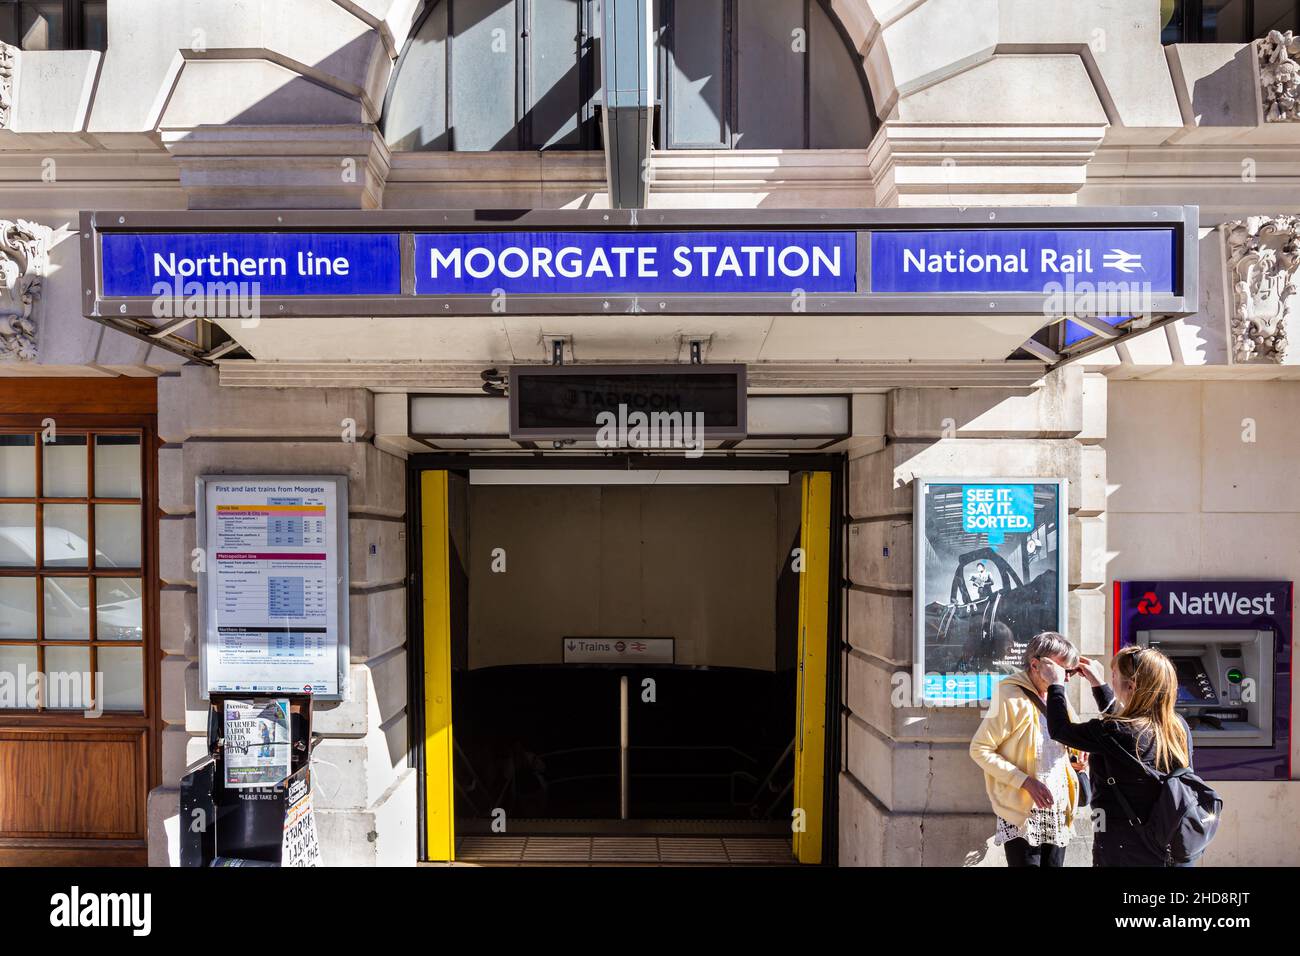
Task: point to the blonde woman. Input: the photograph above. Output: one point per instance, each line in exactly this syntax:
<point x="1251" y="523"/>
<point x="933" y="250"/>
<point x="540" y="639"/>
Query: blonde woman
<point x="1138" y="716"/>
<point x="1031" y="782"/>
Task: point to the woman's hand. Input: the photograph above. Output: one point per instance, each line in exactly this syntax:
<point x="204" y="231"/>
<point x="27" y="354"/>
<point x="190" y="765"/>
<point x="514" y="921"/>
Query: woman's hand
<point x="1092" y="670"/>
<point x="1038" y="792"/>
<point x="1052" y="672"/>
<point x="1079" y="760"/>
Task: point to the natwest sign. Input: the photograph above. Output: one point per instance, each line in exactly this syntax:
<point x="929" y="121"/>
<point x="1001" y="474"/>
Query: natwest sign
<point x="1174" y="604"/>
<point x="1219" y="603"/>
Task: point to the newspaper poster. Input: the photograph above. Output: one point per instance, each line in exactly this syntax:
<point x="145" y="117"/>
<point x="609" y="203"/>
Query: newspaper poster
<point x="257" y="744"/>
<point x="299" y="845"/>
<point x="275" y="578"/>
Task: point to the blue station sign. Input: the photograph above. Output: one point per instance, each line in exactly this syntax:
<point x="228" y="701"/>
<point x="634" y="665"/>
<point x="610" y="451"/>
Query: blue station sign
<point x="634" y="263"/>
<point x="1022" y="260"/>
<point x="281" y="264"/>
<point x="575" y="262"/>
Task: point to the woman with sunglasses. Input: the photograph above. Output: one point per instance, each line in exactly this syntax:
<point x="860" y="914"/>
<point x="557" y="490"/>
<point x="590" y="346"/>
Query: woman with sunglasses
<point x="1032" y="781"/>
<point x="1137" y="721"/>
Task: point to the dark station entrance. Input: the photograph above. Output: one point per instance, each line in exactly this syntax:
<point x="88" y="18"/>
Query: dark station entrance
<point x="623" y="658"/>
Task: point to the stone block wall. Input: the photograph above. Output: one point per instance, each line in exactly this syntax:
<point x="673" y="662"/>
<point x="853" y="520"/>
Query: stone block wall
<point x="365" y="789"/>
<point x="909" y="793"/>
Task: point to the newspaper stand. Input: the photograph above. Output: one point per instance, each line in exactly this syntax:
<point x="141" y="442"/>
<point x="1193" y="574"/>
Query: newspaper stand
<point x="258" y="826"/>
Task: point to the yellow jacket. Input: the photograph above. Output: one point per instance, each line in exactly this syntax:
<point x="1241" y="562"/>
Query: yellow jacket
<point x="1006" y="748"/>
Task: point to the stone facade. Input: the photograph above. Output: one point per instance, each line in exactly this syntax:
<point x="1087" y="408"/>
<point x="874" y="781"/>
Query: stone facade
<point x="909" y="793"/>
<point x="273" y="104"/>
<point x="364" y="783"/>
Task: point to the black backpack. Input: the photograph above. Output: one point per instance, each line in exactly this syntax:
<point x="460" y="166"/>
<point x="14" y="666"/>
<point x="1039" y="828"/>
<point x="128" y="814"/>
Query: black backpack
<point x="1184" y="818"/>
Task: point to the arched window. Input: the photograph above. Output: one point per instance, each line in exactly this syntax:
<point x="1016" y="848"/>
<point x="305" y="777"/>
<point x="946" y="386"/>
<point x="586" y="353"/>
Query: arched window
<point x="482" y="75"/>
<point x="759" y="74"/>
<point x="40" y="25"/>
<point x="522" y="74"/>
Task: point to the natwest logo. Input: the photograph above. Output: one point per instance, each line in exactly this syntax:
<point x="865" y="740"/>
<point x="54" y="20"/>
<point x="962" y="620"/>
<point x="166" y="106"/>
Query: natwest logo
<point x="1150" y="604"/>
<point x="1214" y="602"/>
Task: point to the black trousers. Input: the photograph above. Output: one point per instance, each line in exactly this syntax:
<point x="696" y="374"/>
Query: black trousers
<point x="1020" y="853"/>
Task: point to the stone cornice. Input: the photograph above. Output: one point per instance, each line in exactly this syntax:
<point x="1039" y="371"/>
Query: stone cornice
<point x="289" y="167"/>
<point x="928" y="164"/>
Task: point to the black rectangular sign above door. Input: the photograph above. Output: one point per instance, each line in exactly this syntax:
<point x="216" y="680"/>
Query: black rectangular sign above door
<point x="626" y="405"/>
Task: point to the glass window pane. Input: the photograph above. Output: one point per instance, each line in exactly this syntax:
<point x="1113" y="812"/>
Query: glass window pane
<point x="117" y="466"/>
<point x="41" y="25"/>
<point x="118" y="609"/>
<point x="122" y="674"/>
<point x="483" y="55"/>
<point x="94" y="24"/>
<point x="17" y="466"/>
<point x="65" y="536"/>
<point x="17" y="536"/>
<point x="67" y="678"/>
<point x="416" y="114"/>
<point x="770" y="63"/>
<point x="1172" y="21"/>
<point x="17" y="667"/>
<point x="697" y="79"/>
<point x="841" y="112"/>
<point x="1280" y="15"/>
<point x="555" y="94"/>
<point x="1224" y="21"/>
<point x="64" y="468"/>
<point x="117" y="536"/>
<point x="67" y="609"/>
<point x="18" y="609"/>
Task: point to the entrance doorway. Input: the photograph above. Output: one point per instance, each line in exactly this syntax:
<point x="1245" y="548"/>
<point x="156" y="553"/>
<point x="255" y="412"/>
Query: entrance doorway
<point x="625" y="663"/>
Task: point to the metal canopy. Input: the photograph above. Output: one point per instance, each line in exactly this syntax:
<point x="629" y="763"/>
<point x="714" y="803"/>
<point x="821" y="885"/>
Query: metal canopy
<point x="1058" y="342"/>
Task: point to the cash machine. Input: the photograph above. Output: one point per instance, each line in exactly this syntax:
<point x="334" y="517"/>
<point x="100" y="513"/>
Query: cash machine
<point x="1230" y="643"/>
<point x="1225" y="682"/>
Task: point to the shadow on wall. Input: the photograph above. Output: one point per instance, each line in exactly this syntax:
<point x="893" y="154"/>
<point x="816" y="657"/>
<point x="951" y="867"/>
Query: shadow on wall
<point x="1226" y="96"/>
<point x="912" y="780"/>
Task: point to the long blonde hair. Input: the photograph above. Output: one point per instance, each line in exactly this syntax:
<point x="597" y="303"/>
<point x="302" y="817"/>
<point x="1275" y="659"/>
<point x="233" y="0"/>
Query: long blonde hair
<point x="1150" y="707"/>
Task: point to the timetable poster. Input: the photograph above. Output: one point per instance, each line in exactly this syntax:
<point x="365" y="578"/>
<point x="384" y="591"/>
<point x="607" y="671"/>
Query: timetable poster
<point x="272" y="586"/>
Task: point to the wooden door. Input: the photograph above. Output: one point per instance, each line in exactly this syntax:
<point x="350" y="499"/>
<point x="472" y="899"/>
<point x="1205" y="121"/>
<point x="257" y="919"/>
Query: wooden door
<point x="78" y="619"/>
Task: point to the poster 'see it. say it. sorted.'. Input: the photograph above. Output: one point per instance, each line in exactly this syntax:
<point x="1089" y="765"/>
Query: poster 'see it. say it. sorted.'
<point x="990" y="574"/>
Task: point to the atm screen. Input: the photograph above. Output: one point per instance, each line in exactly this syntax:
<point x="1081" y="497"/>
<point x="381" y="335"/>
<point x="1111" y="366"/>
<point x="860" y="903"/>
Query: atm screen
<point x="1194" y="685"/>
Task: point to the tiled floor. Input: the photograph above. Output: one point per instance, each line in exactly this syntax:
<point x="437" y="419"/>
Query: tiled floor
<point x="507" y="850"/>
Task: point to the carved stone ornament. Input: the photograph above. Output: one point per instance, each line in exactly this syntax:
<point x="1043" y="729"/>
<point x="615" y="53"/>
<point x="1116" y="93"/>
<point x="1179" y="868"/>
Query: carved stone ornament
<point x="1264" y="270"/>
<point x="24" y="260"/>
<point x="1279" y="76"/>
<point x="8" y="56"/>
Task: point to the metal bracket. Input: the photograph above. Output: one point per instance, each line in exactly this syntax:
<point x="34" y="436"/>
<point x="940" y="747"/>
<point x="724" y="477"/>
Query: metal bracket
<point x="495" y="382"/>
<point x="557" y="348"/>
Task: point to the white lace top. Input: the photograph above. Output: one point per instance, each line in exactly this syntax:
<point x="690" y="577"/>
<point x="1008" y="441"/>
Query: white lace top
<point x="1046" y="825"/>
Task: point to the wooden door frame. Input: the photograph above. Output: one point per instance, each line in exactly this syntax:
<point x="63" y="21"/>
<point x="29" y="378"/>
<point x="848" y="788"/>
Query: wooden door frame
<point x="98" y="403"/>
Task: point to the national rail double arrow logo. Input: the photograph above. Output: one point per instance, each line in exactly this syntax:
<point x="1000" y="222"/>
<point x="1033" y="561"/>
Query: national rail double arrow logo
<point x="1123" y="261"/>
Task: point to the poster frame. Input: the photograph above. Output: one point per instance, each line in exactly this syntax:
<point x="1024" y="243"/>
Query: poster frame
<point x="919" y="581"/>
<point x="342" y="582"/>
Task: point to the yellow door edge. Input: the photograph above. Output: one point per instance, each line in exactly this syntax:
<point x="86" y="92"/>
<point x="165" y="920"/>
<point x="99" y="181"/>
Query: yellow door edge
<point x="439" y="798"/>
<point x="814" y="608"/>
